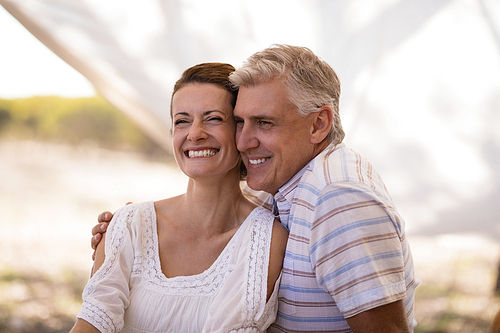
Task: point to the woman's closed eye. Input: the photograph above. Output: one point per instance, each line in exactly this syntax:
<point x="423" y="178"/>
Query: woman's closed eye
<point x="180" y="122"/>
<point x="215" y="119"/>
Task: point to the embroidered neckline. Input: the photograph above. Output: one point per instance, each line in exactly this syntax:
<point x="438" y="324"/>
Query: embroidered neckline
<point x="136" y="227"/>
<point x="207" y="282"/>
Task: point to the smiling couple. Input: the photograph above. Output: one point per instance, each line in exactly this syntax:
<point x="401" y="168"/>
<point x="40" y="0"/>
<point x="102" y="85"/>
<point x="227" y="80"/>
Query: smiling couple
<point x="332" y="258"/>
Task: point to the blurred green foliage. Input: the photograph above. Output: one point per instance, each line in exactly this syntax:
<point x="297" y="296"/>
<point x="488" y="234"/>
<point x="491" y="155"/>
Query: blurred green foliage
<point x="73" y="121"/>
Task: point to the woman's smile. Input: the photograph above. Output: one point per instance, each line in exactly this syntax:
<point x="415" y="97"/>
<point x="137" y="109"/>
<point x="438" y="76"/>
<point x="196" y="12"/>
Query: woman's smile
<point x="201" y="153"/>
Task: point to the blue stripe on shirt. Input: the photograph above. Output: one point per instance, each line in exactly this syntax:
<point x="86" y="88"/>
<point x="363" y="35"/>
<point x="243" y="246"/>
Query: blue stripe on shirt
<point x="354" y="225"/>
<point x="357" y="263"/>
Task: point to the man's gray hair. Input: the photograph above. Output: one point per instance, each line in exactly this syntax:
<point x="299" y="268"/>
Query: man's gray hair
<point x="310" y="81"/>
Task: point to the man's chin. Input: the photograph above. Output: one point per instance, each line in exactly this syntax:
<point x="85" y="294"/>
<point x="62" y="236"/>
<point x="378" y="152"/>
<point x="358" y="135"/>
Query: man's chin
<point x="253" y="186"/>
<point x="259" y="186"/>
<point x="254" y="183"/>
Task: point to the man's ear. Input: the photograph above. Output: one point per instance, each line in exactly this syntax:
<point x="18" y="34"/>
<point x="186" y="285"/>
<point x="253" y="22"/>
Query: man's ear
<point x="321" y="124"/>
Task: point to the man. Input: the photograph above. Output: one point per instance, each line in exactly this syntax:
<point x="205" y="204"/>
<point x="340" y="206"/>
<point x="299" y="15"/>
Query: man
<point x="348" y="265"/>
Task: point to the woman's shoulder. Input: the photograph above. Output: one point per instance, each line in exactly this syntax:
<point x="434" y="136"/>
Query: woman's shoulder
<point x="265" y="220"/>
<point x="134" y="213"/>
<point x="262" y="214"/>
<point x="272" y="232"/>
<point x="168" y="206"/>
<point x="134" y="208"/>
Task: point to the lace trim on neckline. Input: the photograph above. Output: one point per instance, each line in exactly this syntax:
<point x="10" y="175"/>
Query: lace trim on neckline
<point x="207" y="282"/>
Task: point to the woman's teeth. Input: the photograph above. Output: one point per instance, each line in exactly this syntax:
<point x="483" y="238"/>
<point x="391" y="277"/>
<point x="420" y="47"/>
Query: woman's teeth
<point x="202" y="153"/>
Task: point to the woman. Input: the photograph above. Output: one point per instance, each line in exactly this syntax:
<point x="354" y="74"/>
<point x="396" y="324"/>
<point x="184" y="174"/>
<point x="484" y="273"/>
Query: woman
<point x="205" y="261"/>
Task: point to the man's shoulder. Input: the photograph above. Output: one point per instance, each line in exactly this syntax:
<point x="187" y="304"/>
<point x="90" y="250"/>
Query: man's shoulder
<point x="338" y="170"/>
<point x="339" y="164"/>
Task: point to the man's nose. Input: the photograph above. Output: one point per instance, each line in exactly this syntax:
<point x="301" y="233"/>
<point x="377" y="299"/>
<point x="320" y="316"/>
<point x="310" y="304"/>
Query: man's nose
<point x="245" y="138"/>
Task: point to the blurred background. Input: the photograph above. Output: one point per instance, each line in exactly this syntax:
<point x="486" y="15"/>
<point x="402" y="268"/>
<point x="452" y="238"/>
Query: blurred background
<point x="85" y="89"/>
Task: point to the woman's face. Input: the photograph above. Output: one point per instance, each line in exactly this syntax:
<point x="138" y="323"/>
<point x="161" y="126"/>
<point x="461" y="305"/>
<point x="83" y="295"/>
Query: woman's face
<point x="204" y="130"/>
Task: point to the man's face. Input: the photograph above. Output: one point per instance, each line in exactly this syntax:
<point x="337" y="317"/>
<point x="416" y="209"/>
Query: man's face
<point x="273" y="139"/>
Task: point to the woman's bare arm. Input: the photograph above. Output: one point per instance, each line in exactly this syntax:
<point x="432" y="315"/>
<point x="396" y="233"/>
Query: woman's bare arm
<point x="99" y="255"/>
<point x="81" y="326"/>
<point x="278" y="247"/>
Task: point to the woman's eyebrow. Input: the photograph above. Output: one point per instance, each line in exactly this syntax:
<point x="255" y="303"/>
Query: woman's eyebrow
<point x="212" y="111"/>
<point x="206" y="113"/>
<point x="180" y="114"/>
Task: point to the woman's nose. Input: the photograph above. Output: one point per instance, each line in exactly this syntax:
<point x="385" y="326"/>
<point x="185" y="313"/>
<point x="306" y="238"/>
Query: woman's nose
<point x="197" y="132"/>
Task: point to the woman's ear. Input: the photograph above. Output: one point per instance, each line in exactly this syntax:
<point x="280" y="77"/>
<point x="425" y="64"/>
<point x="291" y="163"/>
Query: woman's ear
<point x="321" y="124"/>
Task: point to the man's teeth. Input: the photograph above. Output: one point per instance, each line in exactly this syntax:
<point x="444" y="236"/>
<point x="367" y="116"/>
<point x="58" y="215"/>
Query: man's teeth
<point x="259" y="161"/>
<point x="202" y="153"/>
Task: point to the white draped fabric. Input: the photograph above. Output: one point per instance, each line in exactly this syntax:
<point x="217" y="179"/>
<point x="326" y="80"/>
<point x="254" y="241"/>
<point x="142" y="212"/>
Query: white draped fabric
<point x="420" y="79"/>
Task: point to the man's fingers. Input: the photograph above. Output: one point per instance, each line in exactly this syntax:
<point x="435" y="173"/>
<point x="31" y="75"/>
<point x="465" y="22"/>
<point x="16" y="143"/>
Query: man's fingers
<point x="94" y="241"/>
<point x="105" y="217"/>
<point x="99" y="228"/>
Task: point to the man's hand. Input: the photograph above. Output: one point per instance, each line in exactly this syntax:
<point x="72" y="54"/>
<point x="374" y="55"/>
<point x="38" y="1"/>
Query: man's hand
<point x="104" y="218"/>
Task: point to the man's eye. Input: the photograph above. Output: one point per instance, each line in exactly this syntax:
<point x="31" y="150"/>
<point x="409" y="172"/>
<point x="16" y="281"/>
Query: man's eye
<point x="264" y="123"/>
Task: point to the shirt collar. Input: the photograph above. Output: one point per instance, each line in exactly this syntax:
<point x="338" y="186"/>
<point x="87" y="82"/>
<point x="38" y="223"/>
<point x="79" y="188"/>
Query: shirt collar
<point x="282" y="200"/>
<point x="287" y="191"/>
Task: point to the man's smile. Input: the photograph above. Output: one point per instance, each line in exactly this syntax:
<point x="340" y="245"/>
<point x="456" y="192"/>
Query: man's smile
<point x="258" y="161"/>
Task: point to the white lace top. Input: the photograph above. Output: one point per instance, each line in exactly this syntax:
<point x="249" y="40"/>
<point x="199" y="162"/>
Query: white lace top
<point x="129" y="293"/>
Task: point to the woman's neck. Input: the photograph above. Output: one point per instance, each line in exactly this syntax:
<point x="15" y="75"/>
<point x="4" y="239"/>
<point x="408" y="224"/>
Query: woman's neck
<point x="214" y="204"/>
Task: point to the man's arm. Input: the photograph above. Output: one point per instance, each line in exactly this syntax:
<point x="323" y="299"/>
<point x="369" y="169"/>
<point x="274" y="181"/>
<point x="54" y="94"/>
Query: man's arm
<point x="389" y="318"/>
<point x="364" y="246"/>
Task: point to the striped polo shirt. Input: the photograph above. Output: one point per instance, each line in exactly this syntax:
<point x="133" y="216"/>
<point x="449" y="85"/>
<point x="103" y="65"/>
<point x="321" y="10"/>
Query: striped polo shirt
<point x="347" y="251"/>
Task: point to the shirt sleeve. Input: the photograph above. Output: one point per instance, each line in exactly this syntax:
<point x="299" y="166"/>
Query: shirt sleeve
<point x="106" y="295"/>
<point x="356" y="249"/>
